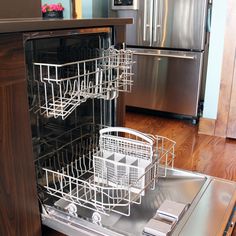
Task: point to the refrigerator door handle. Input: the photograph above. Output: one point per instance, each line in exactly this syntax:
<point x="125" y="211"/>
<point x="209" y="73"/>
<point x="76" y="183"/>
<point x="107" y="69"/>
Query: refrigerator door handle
<point x="161" y="10"/>
<point x="147" y="22"/>
<point x="157" y="21"/>
<point x="151" y="22"/>
<point x="165" y="55"/>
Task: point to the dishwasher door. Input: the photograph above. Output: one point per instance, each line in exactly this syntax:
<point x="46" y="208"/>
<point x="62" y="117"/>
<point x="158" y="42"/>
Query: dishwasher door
<point x="210" y="203"/>
<point x="167" y="81"/>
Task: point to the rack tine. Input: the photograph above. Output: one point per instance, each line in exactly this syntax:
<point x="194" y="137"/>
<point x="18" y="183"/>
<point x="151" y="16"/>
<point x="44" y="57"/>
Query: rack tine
<point x="72" y="169"/>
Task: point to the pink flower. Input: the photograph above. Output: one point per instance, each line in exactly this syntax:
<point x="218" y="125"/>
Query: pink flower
<point x="52" y="7"/>
<point x="44" y="8"/>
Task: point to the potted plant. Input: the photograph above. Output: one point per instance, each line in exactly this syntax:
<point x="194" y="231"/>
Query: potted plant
<point x="52" y="11"/>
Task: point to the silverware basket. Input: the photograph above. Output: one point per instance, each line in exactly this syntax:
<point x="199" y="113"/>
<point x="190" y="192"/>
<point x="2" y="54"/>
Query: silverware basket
<point x="125" y="159"/>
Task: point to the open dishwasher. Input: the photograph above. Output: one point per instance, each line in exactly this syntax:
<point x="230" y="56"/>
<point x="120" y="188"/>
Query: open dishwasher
<point x="95" y="178"/>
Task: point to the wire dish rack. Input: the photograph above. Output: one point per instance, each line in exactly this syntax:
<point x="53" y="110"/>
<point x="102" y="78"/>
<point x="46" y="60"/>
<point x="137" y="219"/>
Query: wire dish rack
<point x="68" y="85"/>
<point x="106" y="173"/>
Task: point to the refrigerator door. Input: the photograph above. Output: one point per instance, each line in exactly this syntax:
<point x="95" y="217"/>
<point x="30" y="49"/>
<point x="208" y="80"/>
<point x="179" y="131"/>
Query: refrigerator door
<point x="166" y="81"/>
<point x="139" y="33"/>
<point x="179" y="24"/>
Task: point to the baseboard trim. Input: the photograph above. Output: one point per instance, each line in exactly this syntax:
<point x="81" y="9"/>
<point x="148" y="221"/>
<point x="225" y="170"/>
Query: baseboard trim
<point x="207" y="126"/>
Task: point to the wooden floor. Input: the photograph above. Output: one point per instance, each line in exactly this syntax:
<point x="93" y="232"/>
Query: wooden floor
<point x="202" y="153"/>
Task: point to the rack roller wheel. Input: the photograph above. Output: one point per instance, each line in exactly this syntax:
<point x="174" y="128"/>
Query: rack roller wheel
<point x="72" y="209"/>
<point x="96" y="218"/>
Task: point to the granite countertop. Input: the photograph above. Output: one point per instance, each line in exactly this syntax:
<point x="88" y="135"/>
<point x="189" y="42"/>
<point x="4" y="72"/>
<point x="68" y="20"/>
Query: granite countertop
<point x="37" y="24"/>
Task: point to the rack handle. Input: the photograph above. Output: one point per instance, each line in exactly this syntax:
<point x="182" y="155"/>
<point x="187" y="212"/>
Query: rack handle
<point x="129" y="131"/>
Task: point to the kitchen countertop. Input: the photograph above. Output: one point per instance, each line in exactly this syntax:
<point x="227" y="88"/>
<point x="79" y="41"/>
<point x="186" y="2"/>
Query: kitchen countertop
<point x="37" y="24"/>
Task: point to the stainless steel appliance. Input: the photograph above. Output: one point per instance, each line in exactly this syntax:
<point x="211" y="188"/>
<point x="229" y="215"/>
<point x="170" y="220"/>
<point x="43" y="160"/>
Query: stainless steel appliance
<point x="169" y="39"/>
<point x="73" y="83"/>
<point x="72" y="90"/>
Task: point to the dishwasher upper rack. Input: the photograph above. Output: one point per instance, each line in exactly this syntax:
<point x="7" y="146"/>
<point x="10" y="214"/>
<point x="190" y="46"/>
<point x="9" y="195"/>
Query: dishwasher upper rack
<point x="68" y="174"/>
<point x="66" y="86"/>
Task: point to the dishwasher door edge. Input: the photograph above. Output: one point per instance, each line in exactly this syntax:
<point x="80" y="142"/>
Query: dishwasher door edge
<point x="215" y="198"/>
<point x="72" y="226"/>
<point x="211" y="209"/>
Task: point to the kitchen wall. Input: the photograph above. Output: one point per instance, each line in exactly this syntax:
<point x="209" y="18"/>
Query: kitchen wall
<point x="94" y="8"/>
<point x="90" y="8"/>
<point x="215" y="59"/>
<point x="87" y="9"/>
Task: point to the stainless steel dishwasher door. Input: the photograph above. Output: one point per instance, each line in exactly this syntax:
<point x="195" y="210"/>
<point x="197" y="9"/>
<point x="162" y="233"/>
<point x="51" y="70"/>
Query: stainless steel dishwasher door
<point x="210" y="203"/>
<point x="166" y="81"/>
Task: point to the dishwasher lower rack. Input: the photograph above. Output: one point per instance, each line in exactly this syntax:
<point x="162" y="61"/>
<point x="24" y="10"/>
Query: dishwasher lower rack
<point x="71" y="173"/>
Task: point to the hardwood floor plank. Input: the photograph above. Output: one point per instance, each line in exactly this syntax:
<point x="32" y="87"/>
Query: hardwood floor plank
<point x="205" y="154"/>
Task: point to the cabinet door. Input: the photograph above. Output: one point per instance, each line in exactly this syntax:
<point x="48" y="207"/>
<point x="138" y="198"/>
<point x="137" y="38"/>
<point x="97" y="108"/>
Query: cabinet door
<point x="231" y="127"/>
<point x="230" y="70"/>
<point x="18" y="197"/>
<point x="225" y="125"/>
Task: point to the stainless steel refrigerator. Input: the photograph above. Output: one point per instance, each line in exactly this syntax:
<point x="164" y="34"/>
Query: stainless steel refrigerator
<point x="169" y="40"/>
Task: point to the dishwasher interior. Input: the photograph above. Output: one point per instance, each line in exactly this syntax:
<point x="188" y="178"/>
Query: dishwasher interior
<point x="93" y="177"/>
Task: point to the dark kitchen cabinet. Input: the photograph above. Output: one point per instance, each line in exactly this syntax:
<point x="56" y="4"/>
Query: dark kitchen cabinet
<point x="18" y="204"/>
<point x="19" y="208"/>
